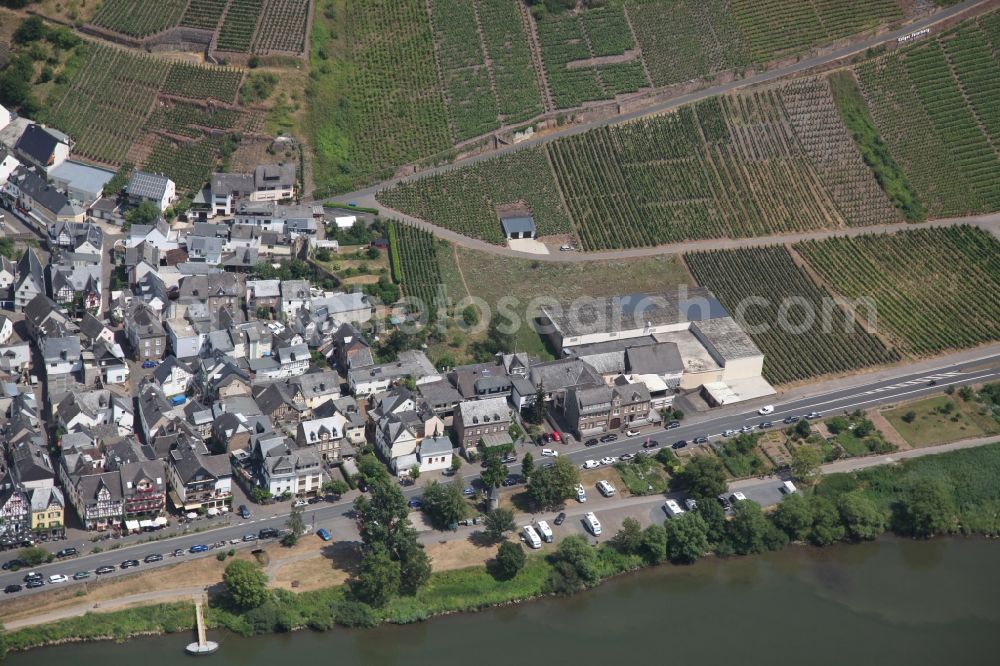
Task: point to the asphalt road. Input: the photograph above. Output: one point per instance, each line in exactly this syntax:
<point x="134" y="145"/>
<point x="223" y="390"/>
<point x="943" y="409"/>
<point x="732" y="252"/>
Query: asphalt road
<point x="338" y="519"/>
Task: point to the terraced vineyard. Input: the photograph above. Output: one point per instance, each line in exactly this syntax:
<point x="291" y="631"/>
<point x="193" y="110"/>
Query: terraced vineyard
<point x="730" y="167"/>
<point x="803" y="333"/>
<point x="687" y="39"/>
<point x="569" y="42"/>
<point x="472" y="102"/>
<point x="936" y="105"/>
<point x="415" y="252"/>
<point x="776" y="28"/>
<point x="139" y="19"/>
<point x="465" y="200"/>
<point x="935" y="289"/>
<point x="239" y="26"/>
<point x="197" y="82"/>
<point x="397" y="109"/>
<point x="813" y="114"/>
<point x="187" y="119"/>
<point x="188" y="163"/>
<point x="104" y="107"/>
<point x="503" y="29"/>
<point x="204" y="14"/>
<point x="283" y="27"/>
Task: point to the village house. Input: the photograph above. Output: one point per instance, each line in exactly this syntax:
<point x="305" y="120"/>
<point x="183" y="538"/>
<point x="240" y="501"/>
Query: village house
<point x="476" y="418"/>
<point x="199" y="481"/>
<point x="145" y="333"/>
<point x="153" y="188"/>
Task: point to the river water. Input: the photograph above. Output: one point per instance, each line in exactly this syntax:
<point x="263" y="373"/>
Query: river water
<point x="890" y="602"/>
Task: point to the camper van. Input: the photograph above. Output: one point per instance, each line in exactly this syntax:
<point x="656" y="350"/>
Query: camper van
<point x="788" y="487"/>
<point x="593" y="524"/>
<point x="545" y="531"/>
<point x="606" y="488"/>
<point x="672" y="508"/>
<point x="531" y="536"/>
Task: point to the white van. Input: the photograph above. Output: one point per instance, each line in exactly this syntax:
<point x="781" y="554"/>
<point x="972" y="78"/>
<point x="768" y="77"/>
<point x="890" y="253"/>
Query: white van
<point x="593" y="524"/>
<point x="606" y="488"/>
<point x="672" y="508"/>
<point x="531" y="536"/>
<point x="545" y="531"/>
<point x="788" y="487"/>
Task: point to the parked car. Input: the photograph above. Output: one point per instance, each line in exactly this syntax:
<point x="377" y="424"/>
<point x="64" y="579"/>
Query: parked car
<point x="724" y="501"/>
<point x="12" y="565"/>
<point x="556" y="436"/>
<point x="509" y="459"/>
<point x="178" y="552"/>
<point x="746" y="428"/>
<point x="590" y="464"/>
<point x="268" y="533"/>
<point x="737" y="497"/>
<point x="244" y="512"/>
<point x="58" y="578"/>
<point x="249" y="537"/>
<point x="155" y="557"/>
<point x="415" y="503"/>
<point x="509" y="481"/>
<point x="608" y="460"/>
<point x="31" y="575"/>
<point x="550" y="453"/>
<point x="469" y="491"/>
<point x="324" y="535"/>
<point x="765" y="425"/>
<point x="11" y="589"/>
<point x="199" y="548"/>
<point x="149" y="364"/>
<point x="673" y="424"/>
<point x="299" y="503"/>
<point x="546" y="438"/>
<point x="650" y="444"/>
<point x="626" y="456"/>
<point x="560" y="519"/>
<point x="813" y="415"/>
<point x="67" y="552"/>
<point x="631" y="433"/>
<point x="606" y="488"/>
<point x="680" y="444"/>
<point x="34" y="583"/>
<point x="701" y="440"/>
<point x="128" y="564"/>
<point x="690" y="504"/>
<point x="591" y="442"/>
<point x="730" y="433"/>
<point x="81" y="575"/>
<point x="765" y="410"/>
<point x="610" y="437"/>
<point x="787" y="487"/>
<point x="106" y="569"/>
<point x="581" y="494"/>
<point x="790" y="419"/>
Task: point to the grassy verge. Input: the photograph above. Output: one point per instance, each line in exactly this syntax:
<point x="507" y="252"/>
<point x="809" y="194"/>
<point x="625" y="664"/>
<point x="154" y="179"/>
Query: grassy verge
<point x="642" y="476"/>
<point x="859" y="121"/>
<point x="939" y="420"/>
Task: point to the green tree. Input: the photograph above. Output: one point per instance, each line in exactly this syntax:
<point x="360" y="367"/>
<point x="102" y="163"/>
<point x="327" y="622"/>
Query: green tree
<point x="34" y="556"/>
<point x="654" y="543"/>
<point x="927" y="507"/>
<point x="378" y="580"/>
<point x="794" y="517"/>
<point x="827" y="528"/>
<point x="444" y="503"/>
<point x="863" y="428"/>
<point x="510" y="559"/>
<point x="470" y="316"/>
<point x="246" y="584"/>
<point x="297" y="526"/>
<point x="862" y="519"/>
<point x="803" y="428"/>
<point x="628" y="539"/>
<point x="805" y="464"/>
<point x="549" y="486"/>
<point x="31" y="31"/>
<point x="538" y="406"/>
<point x="335" y="487"/>
<point x="748" y="528"/>
<point x="715" y="519"/>
<point x="495" y="472"/>
<point x="144" y="213"/>
<point x="499" y="522"/>
<point x="909" y="416"/>
<point x="456" y="463"/>
<point x="415" y="472"/>
<point x="575" y="566"/>
<point x="687" y="537"/>
<point x="527" y="465"/>
<point x="838" y="424"/>
<point x="704" y="478"/>
<point x="414" y="565"/>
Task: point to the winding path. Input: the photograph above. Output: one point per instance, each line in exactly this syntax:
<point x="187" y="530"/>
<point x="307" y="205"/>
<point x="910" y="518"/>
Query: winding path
<point x="366" y="197"/>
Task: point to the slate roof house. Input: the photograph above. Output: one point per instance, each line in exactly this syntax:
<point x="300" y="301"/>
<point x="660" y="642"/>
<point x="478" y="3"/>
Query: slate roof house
<point x="44" y="147"/>
<point x="30" y="280"/>
<point x="152" y="187"/>
<point x="475" y="418"/>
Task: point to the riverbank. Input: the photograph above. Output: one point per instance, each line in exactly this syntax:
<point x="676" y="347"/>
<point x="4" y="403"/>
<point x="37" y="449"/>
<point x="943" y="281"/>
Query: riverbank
<point x="966" y="481"/>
